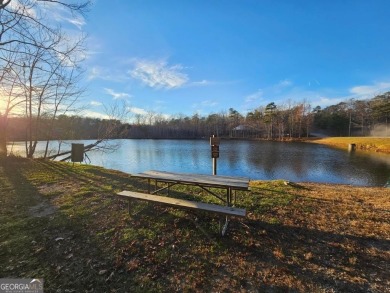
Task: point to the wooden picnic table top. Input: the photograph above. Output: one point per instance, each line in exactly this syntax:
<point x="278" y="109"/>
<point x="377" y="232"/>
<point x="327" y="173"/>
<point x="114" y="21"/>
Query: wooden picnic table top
<point x="241" y="183"/>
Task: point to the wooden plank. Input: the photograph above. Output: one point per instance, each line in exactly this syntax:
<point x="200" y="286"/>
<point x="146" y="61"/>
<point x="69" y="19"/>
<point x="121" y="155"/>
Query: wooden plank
<point x="192" y="177"/>
<point x="187" y="178"/>
<point x="192" y="205"/>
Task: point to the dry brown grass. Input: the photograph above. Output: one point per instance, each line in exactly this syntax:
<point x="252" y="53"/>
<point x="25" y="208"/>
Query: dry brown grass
<point x="297" y="237"/>
<point x="375" y="144"/>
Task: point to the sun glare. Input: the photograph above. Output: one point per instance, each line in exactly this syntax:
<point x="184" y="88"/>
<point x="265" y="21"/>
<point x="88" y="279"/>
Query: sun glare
<point x="4" y="105"/>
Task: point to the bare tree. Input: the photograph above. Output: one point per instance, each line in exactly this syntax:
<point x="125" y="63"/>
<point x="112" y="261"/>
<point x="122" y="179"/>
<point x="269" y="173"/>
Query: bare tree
<point x="49" y="84"/>
<point x="12" y="100"/>
<point x="63" y="95"/>
<point x="37" y="60"/>
<point x="110" y="128"/>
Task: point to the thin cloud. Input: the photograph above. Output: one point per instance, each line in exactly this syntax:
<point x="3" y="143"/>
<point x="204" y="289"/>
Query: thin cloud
<point x="313" y="82"/>
<point x="205" y="105"/>
<point x="138" y="111"/>
<point x="367" y="91"/>
<point x="286" y="90"/>
<point x="95" y="103"/>
<point x="102" y="73"/>
<point x="254" y="97"/>
<point x="94" y="114"/>
<point x="200" y="83"/>
<point x="275" y="90"/>
<point x="79" y="22"/>
<point x="205" y="82"/>
<point x="17" y="5"/>
<point x="94" y="73"/>
<point x="97" y="72"/>
<point x="209" y="103"/>
<point x="159" y="74"/>
<point x="284" y="83"/>
<point x="323" y="101"/>
<point x="117" y="95"/>
<point x="59" y="13"/>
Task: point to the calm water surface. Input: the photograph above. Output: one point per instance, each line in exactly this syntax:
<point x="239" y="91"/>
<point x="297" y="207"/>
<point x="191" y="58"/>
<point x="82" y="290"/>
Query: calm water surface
<point x="258" y="160"/>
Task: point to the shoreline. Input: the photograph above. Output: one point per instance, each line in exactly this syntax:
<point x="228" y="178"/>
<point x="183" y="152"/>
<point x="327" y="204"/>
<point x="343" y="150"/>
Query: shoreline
<point x="365" y="144"/>
<point x="369" y="144"/>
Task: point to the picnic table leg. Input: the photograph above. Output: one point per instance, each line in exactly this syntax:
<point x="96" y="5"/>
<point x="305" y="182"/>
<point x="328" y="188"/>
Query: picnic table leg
<point x="223" y="228"/>
<point x="229" y="197"/>
<point x="129" y="205"/>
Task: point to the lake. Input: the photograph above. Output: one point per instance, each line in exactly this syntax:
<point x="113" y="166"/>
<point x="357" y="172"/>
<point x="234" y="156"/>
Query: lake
<point x="258" y="160"/>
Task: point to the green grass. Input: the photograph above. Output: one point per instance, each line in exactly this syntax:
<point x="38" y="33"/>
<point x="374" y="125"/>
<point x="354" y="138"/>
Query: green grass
<point x="65" y="224"/>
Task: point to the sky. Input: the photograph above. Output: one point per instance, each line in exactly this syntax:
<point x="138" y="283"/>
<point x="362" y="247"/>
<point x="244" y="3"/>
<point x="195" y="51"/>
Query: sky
<point x="186" y="57"/>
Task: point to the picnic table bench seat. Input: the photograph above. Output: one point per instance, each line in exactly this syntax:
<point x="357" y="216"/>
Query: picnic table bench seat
<point x="185" y="204"/>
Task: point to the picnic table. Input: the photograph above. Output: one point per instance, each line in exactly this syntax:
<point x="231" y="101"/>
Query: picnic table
<point x="229" y="183"/>
<point x="205" y="182"/>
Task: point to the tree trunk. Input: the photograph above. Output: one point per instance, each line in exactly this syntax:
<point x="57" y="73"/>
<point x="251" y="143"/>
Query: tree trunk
<point x="3" y="145"/>
<point x="3" y="136"/>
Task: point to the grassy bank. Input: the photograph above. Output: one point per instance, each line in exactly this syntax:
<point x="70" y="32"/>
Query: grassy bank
<point x="64" y="223"/>
<point x="373" y="144"/>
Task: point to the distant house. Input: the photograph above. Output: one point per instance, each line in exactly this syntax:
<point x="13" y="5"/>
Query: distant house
<point x="241" y="131"/>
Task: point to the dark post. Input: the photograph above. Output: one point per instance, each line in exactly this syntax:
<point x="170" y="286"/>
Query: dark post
<point x="214" y="142"/>
<point x="77" y="152"/>
<point x="214" y="166"/>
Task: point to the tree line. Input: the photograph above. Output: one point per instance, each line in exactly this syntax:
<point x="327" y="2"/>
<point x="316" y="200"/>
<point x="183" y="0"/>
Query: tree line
<point x="272" y="121"/>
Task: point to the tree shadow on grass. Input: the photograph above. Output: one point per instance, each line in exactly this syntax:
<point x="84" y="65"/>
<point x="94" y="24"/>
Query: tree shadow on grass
<point x="92" y="174"/>
<point x="256" y="255"/>
<point x="261" y="256"/>
<point x="57" y="247"/>
<point x="87" y="247"/>
<point x="321" y="260"/>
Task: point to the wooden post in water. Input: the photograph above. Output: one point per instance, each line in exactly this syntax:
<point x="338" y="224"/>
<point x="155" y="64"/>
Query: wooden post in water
<point x="351" y="147"/>
<point x="214" y="142"/>
<point x="214" y="166"/>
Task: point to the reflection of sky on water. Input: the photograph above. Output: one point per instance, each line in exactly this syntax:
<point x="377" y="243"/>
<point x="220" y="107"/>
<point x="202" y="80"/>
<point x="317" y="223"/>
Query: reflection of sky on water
<point x="255" y="159"/>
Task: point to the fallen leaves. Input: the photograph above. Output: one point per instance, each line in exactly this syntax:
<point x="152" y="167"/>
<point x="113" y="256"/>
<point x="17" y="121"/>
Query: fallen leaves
<point x="302" y="237"/>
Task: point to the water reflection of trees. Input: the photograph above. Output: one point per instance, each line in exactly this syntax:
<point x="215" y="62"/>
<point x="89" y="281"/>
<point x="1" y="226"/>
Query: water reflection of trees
<point x="262" y="160"/>
<point x="306" y="162"/>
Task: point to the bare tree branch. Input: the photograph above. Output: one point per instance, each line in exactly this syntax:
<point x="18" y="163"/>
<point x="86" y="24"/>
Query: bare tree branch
<point x="39" y="64"/>
<point x="3" y="3"/>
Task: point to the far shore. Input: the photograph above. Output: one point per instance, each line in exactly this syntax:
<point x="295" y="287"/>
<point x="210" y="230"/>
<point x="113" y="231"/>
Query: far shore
<point x="368" y="144"/>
